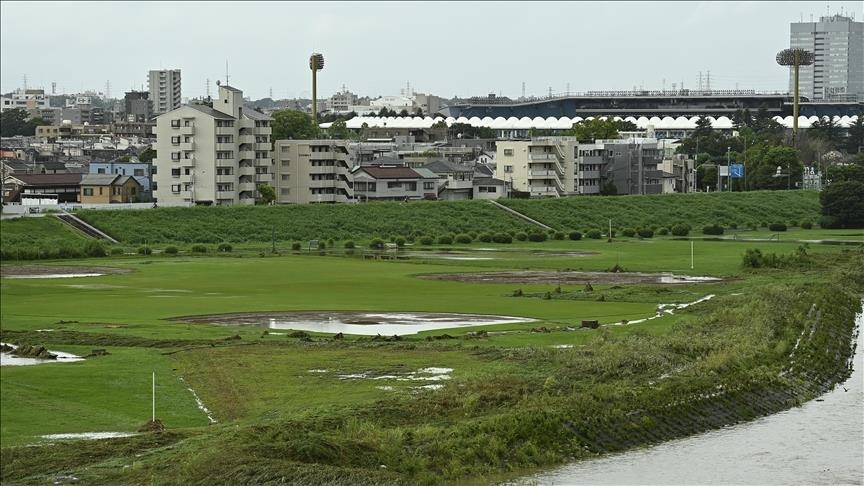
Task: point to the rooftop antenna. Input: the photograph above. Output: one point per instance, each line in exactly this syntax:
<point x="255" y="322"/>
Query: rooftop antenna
<point x="523" y="89"/>
<point x="207" y="84"/>
<point x="271" y="92"/>
<point x="25" y="82"/>
<point x="708" y="87"/>
<point x="53" y="87"/>
<point x="226" y="72"/>
<point x="107" y="89"/>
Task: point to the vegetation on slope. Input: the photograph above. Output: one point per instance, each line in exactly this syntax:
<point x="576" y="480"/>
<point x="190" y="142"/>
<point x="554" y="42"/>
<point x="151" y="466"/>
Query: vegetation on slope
<point x="744" y="209"/>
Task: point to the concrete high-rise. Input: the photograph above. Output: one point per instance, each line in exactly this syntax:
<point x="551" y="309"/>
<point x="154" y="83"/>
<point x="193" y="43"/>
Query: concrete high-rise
<point x="165" y="91"/>
<point x="838" y="72"/>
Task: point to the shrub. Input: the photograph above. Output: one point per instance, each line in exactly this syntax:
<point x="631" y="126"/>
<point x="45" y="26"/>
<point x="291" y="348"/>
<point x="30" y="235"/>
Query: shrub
<point x="144" y="250"/>
<point x="536" y="236"/>
<point x="558" y="235"/>
<point x="463" y="238"/>
<point x="224" y="247"/>
<point x="171" y="250"/>
<point x="426" y="240"/>
<point x="376" y="244"/>
<point x="629" y="232"/>
<point x="400" y="241"/>
<point x="295" y="246"/>
<point x="502" y="238"/>
<point x="94" y="249"/>
<point x="199" y="249"/>
<point x="321" y="245"/>
<point x="445" y="240"/>
<point x="349" y="245"/>
<point x="777" y="227"/>
<point x="733" y="225"/>
<point x="662" y="231"/>
<point x="330" y="243"/>
<point x="807" y="225"/>
<point x="594" y="234"/>
<point x="485" y="237"/>
<point x="844" y="203"/>
<point x="116" y="250"/>
<point x="680" y="230"/>
<point x="521" y="236"/>
<point x="575" y="235"/>
<point x="645" y="232"/>
<point x="714" y="229"/>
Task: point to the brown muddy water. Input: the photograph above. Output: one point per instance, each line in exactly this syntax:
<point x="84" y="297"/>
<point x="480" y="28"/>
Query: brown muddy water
<point x="821" y="442"/>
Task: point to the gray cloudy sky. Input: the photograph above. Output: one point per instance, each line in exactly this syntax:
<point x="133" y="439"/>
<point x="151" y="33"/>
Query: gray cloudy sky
<point x="374" y="48"/>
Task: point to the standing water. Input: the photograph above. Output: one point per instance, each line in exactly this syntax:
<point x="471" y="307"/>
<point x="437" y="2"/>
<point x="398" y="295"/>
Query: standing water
<point x="821" y="442"/>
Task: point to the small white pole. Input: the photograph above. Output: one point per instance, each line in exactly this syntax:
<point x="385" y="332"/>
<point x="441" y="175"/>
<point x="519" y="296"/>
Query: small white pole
<point x="691" y="254"/>
<point x="610" y="228"/>
<point x="154" y="396"/>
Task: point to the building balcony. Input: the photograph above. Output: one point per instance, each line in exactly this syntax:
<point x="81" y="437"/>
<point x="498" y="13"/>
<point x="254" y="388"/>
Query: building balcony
<point x="225" y="147"/>
<point x="190" y="162"/>
<point x="246" y="154"/>
<point x="263" y="178"/>
<point x="246" y="186"/>
<point x="225" y="179"/>
<point x="588" y="189"/>
<point x="225" y="131"/>
<point x="187" y="146"/>
<point x="263" y="162"/>
<point x="246" y="171"/>
<point x="263" y="146"/>
<point x="226" y="162"/>
<point x="544" y="156"/>
<point x="243" y="123"/>
<point x="187" y="130"/>
<point x="225" y="194"/>
<point x="246" y="139"/>
<point x="588" y="174"/>
<point x="542" y="173"/>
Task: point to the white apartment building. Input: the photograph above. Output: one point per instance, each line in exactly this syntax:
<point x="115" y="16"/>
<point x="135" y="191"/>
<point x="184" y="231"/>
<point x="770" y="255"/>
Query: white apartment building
<point x="212" y="155"/>
<point x="26" y="99"/>
<point x="838" y="71"/>
<point x="165" y="92"/>
<point x="561" y="166"/>
<point x="313" y="171"/>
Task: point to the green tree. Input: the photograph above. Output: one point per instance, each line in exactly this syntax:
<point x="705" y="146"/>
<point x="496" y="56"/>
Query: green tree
<point x="267" y="193"/>
<point x="339" y="130"/>
<point x="147" y="155"/>
<point x="853" y="171"/>
<point x="14" y="122"/>
<point x="843" y="204"/>
<point x="763" y="166"/>
<point x="293" y="125"/>
<point x="594" y="129"/>
<point x="855" y="136"/>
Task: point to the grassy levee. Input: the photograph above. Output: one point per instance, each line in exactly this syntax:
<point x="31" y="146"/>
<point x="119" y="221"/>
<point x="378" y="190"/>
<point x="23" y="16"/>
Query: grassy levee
<point x="744" y="209"/>
<point x="506" y="410"/>
<point x="302" y="222"/>
<point x="38" y="237"/>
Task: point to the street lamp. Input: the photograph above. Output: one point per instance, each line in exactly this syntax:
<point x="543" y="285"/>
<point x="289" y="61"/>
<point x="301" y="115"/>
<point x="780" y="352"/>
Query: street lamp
<point x="795" y="58"/>
<point x="728" y="169"/>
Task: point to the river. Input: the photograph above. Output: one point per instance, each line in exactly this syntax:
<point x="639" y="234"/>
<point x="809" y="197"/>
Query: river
<point x="821" y="442"/>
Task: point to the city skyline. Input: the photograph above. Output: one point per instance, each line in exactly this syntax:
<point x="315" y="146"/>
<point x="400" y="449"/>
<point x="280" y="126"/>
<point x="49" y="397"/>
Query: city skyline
<point x="376" y="48"/>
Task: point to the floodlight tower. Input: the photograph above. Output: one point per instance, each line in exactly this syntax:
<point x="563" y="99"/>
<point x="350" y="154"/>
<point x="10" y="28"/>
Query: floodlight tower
<point x="316" y="63"/>
<point x="795" y="58"/>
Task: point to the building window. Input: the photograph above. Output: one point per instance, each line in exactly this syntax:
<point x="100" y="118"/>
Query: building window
<point x="394" y="185"/>
<point x="88" y="191"/>
<point x="175" y="123"/>
<point x="175" y="140"/>
<point x="139" y="172"/>
<point x="175" y="187"/>
<point x="508" y="152"/>
<point x="175" y="172"/>
<point x="175" y="155"/>
<point x="100" y="171"/>
<point x="187" y="171"/>
<point x="508" y="169"/>
<point x="428" y="185"/>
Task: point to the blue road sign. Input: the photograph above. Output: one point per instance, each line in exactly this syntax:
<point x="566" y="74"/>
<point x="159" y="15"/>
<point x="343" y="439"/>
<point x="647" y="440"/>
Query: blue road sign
<point x="737" y="171"/>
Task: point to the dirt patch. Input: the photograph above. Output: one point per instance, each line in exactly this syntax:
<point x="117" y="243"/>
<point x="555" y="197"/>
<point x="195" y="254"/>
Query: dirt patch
<point x="57" y="270"/>
<point x="540" y="277"/>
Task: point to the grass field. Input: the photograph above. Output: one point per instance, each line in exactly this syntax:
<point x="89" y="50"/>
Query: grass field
<point x="500" y="408"/>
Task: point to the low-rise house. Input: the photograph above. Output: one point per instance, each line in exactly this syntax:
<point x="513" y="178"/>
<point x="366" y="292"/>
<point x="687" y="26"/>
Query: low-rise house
<point x="489" y="188"/>
<point x="109" y="188"/>
<point x="457" y="179"/>
<point x="385" y="183"/>
<point x="66" y="187"/>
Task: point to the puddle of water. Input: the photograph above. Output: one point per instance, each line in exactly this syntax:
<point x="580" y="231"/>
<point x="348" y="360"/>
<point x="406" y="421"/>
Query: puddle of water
<point x="563" y="346"/>
<point x="8" y="359"/>
<point x="423" y="374"/>
<point x="371" y="324"/>
<point x="664" y="309"/>
<point x="200" y="403"/>
<point x="317" y="371"/>
<point x="56" y="275"/>
<point x="674" y="279"/>
<point x="385" y="388"/>
<point x="88" y="436"/>
<point x="95" y="286"/>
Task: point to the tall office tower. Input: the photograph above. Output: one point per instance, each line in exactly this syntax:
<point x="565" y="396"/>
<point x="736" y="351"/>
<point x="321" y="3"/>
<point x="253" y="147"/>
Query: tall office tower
<point x="838" y="72"/>
<point x="165" y="90"/>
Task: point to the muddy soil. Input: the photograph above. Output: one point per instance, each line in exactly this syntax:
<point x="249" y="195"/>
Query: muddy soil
<point x="360" y="317"/>
<point x="546" y="277"/>
<point x="17" y="270"/>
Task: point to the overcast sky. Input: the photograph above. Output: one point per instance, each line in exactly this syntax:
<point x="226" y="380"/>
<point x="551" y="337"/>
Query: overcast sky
<point x="375" y="48"/>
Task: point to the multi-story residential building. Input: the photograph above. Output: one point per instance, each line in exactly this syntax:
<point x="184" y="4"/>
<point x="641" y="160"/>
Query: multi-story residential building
<point x="838" y="71"/>
<point x="560" y="166"/>
<point x="212" y="155"/>
<point x="165" y="92"/>
<point x="312" y="171"/>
